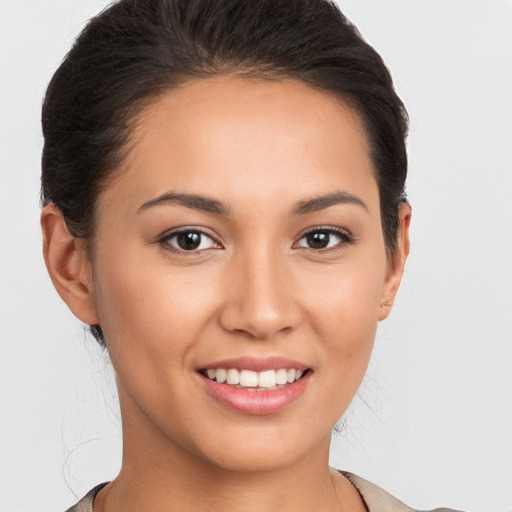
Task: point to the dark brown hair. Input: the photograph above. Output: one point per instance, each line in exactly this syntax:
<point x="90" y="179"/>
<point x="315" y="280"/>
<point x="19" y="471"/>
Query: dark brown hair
<point x="136" y="49"/>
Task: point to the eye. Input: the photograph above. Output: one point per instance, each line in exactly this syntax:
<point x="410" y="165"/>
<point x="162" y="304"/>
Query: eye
<point x="188" y="240"/>
<point x="324" y="238"/>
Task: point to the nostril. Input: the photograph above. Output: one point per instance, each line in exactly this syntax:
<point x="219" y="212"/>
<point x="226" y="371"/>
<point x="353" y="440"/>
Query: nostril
<point x="260" y="309"/>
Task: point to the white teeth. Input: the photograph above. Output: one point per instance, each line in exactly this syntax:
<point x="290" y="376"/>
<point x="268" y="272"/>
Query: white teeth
<point x="267" y="379"/>
<point x="248" y="379"/>
<point x="233" y="376"/>
<point x="282" y="376"/>
<point x="220" y="375"/>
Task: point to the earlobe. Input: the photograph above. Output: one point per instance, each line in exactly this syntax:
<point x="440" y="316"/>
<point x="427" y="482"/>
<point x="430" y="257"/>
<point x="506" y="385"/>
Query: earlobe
<point x="397" y="262"/>
<point x="68" y="265"/>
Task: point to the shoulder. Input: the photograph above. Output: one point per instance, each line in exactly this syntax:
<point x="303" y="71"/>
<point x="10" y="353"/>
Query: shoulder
<point x="378" y="500"/>
<point x="85" y="504"/>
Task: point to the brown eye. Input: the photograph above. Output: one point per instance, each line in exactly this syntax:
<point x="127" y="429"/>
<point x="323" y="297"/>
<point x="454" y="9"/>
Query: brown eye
<point x="318" y="240"/>
<point x="324" y="239"/>
<point x="189" y="240"/>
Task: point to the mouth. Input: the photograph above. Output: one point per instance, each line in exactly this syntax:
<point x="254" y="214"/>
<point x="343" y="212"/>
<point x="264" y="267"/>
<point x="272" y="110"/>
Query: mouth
<point x="267" y="380"/>
<point x="254" y="386"/>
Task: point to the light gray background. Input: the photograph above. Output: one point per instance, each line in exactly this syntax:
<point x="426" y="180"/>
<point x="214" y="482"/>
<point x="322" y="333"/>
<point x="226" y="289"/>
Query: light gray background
<point x="433" y="420"/>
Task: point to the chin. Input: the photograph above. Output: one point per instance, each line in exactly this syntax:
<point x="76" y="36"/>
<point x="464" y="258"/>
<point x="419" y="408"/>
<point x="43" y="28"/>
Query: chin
<point x="265" y="449"/>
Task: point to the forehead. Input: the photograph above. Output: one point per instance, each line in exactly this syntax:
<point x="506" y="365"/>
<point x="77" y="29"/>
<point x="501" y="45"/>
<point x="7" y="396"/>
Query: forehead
<point x="242" y="137"/>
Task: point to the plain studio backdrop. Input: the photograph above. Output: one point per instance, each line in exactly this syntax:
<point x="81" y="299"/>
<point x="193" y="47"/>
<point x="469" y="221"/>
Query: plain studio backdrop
<point x="432" y="422"/>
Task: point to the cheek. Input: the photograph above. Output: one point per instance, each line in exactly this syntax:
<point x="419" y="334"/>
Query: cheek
<point x="347" y="323"/>
<point x="346" y="299"/>
<point x="344" y="314"/>
<point x="149" y="310"/>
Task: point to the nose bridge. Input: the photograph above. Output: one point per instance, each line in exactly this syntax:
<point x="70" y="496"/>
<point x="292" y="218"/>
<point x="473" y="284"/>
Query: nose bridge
<point x="260" y="299"/>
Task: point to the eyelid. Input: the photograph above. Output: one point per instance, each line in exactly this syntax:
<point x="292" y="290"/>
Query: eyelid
<point x="163" y="239"/>
<point x="345" y="235"/>
<point x="347" y="238"/>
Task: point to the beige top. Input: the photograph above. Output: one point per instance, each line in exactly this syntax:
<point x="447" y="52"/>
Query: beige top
<point x="375" y="498"/>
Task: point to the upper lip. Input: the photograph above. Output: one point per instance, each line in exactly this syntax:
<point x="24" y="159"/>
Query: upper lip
<point x="256" y="364"/>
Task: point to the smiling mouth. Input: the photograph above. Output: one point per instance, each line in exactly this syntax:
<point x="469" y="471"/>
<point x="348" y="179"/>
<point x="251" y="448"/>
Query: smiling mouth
<point x="267" y="380"/>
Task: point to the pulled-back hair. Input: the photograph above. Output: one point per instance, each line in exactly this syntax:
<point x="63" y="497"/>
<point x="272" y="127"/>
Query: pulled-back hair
<point x="136" y="49"/>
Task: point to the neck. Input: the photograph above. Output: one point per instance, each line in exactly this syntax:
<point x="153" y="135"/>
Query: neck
<point x="160" y="474"/>
<point x="180" y="483"/>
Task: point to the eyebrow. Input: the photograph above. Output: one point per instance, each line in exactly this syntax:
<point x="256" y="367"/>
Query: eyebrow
<point x="321" y="202"/>
<point x="194" y="201"/>
<point x="209" y="205"/>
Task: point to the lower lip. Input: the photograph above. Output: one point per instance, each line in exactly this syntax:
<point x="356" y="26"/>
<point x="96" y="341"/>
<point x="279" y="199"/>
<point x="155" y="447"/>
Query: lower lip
<point x="250" y="401"/>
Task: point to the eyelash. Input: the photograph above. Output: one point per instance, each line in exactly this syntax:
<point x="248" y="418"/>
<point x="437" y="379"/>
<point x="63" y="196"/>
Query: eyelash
<point x="345" y="239"/>
<point x="164" y="241"/>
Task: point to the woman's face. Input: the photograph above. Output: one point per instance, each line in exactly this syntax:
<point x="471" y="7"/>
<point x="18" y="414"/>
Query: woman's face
<point x="242" y="232"/>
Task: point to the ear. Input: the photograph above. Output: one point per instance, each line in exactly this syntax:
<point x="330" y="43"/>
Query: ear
<point x="396" y="262"/>
<point x="68" y="265"/>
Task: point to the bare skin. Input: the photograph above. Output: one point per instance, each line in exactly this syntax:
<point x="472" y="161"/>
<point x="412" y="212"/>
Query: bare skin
<point x="258" y="155"/>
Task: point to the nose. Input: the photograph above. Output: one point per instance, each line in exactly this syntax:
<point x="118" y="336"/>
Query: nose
<point x="259" y="297"/>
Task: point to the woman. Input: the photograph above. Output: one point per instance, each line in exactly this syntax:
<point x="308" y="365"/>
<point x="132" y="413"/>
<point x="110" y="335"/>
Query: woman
<point x="223" y="190"/>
